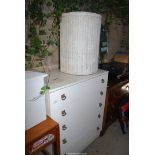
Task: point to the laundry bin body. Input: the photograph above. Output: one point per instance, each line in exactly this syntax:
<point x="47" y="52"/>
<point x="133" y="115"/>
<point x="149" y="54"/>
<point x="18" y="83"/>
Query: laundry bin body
<point x="79" y="42"/>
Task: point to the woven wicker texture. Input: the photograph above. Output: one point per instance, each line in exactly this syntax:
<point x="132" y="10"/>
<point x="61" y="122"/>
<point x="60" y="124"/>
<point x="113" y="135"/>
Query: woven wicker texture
<point x="79" y="42"/>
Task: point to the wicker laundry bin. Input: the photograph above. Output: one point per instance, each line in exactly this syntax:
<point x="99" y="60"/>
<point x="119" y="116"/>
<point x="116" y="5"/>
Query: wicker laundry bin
<point x="79" y="42"/>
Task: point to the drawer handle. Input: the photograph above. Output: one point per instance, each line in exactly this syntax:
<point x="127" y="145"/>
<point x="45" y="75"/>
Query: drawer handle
<point x="102" y="80"/>
<point x="64" y="127"/>
<point x="97" y="128"/>
<point x="63" y="113"/>
<point x="64" y="141"/>
<point x="101" y="93"/>
<point x="63" y="96"/>
<point x="100" y="104"/>
<point x="99" y="116"/>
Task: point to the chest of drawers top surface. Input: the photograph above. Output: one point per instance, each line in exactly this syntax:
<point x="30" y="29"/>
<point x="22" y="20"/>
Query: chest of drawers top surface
<point x="59" y="80"/>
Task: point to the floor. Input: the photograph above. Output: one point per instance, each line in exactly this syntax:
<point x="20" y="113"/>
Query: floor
<point x="113" y="142"/>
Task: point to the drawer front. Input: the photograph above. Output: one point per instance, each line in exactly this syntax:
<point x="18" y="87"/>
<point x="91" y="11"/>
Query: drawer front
<point x="77" y="113"/>
<point x="58" y="107"/>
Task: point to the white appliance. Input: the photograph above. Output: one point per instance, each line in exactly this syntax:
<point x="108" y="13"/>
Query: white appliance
<point x="35" y="107"/>
<point x="77" y="104"/>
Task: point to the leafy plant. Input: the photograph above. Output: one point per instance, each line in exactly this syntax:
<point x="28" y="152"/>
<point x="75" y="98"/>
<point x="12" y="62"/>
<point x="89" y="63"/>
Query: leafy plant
<point x="116" y="8"/>
<point x="44" y="89"/>
<point x="36" y="50"/>
<point x="39" y="11"/>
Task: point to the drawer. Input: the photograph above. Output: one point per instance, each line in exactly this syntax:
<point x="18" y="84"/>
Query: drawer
<point x="60" y="116"/>
<point x="76" y="109"/>
<point x="58" y="101"/>
<point x="72" y="141"/>
<point x="102" y="80"/>
<point x="99" y="118"/>
<point x="59" y="98"/>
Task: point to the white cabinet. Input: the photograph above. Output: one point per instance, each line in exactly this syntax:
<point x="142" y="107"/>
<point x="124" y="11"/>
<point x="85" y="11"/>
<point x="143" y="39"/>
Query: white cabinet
<point x="77" y="103"/>
<point x="35" y="108"/>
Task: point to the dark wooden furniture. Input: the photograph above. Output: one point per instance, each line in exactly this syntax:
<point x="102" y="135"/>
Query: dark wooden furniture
<point x="39" y="136"/>
<point x="114" y="92"/>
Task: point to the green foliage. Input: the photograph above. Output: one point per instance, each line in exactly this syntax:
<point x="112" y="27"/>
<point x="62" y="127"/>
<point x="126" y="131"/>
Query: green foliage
<point x="37" y="49"/>
<point x="42" y="32"/>
<point x="35" y="12"/>
<point x="118" y="8"/>
<point x="44" y="89"/>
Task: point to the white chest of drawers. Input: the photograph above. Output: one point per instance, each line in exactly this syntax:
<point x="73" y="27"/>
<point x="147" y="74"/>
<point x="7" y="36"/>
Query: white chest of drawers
<point x="77" y="104"/>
